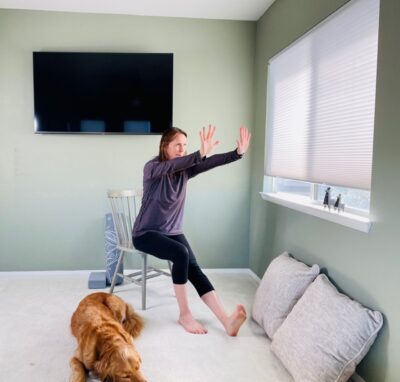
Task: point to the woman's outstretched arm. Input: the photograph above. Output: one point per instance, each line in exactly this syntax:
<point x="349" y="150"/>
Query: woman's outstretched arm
<point x="155" y="168"/>
<point x="220" y="159"/>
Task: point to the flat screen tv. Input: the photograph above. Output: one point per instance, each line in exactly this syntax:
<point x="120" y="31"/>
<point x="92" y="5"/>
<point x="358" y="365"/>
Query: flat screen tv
<point x="102" y="93"/>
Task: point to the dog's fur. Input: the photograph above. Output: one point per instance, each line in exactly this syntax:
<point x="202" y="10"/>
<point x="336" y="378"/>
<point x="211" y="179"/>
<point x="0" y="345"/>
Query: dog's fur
<point x="104" y="326"/>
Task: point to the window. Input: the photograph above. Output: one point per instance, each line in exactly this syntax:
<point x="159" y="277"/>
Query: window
<point x="320" y="113"/>
<point x="292" y="186"/>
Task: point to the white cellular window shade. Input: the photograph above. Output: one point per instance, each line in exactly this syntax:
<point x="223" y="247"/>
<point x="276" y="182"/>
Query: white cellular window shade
<point x="321" y="101"/>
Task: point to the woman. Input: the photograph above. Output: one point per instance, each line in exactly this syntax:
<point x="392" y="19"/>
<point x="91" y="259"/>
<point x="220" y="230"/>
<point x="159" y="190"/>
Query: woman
<point x="158" y="227"/>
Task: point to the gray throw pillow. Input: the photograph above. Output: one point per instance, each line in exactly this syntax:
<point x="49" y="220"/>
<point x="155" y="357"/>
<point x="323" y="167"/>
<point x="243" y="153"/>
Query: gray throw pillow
<point x="325" y="335"/>
<point x="283" y="283"/>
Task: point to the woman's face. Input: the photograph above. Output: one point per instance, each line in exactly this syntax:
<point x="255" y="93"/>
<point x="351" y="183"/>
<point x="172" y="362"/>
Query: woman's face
<point x="177" y="147"/>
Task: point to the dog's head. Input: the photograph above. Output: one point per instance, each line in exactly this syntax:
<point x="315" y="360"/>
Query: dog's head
<point x="120" y="364"/>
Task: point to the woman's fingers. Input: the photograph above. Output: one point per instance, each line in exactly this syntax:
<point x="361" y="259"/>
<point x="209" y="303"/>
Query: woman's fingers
<point x="211" y="131"/>
<point x="206" y="138"/>
<point x="244" y="133"/>
<point x="244" y="140"/>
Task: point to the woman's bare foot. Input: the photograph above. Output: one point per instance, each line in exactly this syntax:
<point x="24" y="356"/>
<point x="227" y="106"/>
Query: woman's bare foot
<point x="235" y="320"/>
<point x="191" y="325"/>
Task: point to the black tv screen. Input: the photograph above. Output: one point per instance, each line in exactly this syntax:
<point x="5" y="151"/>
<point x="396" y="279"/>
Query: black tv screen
<point x="102" y="93"/>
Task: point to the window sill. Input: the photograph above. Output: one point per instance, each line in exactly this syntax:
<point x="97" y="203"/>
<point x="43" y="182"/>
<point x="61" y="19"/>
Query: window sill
<point x="303" y="204"/>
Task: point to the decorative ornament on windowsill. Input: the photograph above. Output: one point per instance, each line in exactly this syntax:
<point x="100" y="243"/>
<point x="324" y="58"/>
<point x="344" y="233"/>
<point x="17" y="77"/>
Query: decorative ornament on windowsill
<point x="338" y="204"/>
<point x="328" y="201"/>
<point x="327" y="198"/>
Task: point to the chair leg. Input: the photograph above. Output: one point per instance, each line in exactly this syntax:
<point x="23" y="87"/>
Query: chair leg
<point x="114" y="279"/>
<point x="170" y="267"/>
<point x="144" y="279"/>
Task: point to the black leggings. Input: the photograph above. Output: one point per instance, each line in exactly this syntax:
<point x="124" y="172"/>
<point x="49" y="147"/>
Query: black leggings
<point x="176" y="249"/>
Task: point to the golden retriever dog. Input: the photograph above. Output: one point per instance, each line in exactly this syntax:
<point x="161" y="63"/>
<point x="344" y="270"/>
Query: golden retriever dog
<point x="104" y="326"/>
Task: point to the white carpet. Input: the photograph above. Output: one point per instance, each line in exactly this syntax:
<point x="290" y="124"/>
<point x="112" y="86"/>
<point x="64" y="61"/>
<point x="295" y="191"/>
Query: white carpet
<point x="36" y="344"/>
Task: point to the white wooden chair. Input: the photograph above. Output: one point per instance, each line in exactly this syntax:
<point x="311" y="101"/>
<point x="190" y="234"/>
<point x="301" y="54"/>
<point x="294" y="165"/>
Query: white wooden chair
<point x="125" y="206"/>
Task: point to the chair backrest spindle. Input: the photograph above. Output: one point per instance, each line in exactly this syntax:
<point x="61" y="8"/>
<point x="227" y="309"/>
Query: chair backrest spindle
<point x="124" y="208"/>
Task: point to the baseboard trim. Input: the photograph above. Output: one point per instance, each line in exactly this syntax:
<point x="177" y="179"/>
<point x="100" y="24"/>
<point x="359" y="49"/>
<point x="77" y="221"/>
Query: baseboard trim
<point x="356" y="378"/>
<point x="254" y="276"/>
<point x="22" y="274"/>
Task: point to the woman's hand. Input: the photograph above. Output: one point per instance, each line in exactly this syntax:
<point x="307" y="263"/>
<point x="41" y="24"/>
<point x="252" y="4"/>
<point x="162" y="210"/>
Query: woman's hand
<point x="206" y="139"/>
<point x="243" y="142"/>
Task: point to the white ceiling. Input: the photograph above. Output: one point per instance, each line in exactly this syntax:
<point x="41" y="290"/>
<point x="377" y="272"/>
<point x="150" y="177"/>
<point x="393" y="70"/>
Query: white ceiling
<point x="205" y="9"/>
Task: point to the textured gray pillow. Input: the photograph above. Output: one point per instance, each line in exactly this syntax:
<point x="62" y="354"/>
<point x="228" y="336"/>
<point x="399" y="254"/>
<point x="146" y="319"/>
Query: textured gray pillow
<point x="325" y="335"/>
<point x="283" y="283"/>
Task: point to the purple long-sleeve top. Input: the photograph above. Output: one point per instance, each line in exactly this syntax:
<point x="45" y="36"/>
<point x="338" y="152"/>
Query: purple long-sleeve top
<point x="164" y="190"/>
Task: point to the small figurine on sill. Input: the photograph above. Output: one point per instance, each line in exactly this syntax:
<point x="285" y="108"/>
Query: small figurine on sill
<point x="337" y="203"/>
<point x="327" y="198"/>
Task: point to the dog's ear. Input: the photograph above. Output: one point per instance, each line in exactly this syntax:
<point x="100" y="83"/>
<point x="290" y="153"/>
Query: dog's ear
<point x="133" y="323"/>
<point x="99" y="369"/>
<point x="88" y="345"/>
<point x="102" y="367"/>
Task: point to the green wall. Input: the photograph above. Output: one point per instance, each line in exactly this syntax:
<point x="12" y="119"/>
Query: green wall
<point x="53" y="187"/>
<point x="365" y="266"/>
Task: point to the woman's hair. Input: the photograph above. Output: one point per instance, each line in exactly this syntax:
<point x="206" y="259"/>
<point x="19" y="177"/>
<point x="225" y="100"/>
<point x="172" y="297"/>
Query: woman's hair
<point x="167" y="137"/>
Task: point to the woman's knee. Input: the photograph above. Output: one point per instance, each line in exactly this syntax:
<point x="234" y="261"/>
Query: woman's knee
<point x="180" y="266"/>
<point x="181" y="256"/>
